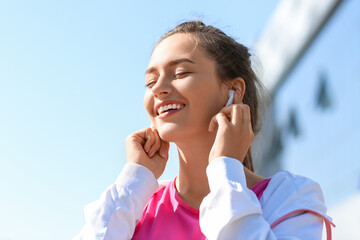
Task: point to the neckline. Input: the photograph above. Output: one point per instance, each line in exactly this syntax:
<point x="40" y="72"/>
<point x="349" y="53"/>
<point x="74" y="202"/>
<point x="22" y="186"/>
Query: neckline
<point x="258" y="189"/>
<point x="181" y="202"/>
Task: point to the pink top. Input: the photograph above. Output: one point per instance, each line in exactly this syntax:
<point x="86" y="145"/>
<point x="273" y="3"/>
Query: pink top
<point x="166" y="214"/>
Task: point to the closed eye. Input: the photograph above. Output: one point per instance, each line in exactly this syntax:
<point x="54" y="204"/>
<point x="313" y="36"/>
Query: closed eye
<point x="177" y="75"/>
<point x="181" y="74"/>
<point x="149" y="84"/>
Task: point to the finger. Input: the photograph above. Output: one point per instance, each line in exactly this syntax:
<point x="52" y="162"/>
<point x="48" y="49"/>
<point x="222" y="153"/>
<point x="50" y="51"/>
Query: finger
<point x="156" y="145"/>
<point x="236" y="112"/>
<point x="220" y="120"/>
<point x="214" y="121"/>
<point x="246" y="119"/>
<point x="164" y="149"/>
<point x="150" y="139"/>
<point x="226" y="111"/>
<point x="213" y="124"/>
<point x="237" y="115"/>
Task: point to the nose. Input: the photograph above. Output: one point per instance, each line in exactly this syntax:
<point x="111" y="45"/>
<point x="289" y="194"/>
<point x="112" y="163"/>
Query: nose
<point x="162" y="87"/>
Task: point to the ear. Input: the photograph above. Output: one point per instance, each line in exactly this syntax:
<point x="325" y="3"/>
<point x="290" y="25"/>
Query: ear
<point x="239" y="84"/>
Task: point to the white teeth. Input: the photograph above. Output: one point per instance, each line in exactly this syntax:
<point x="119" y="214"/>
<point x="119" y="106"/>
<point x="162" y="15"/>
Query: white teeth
<point x="169" y="106"/>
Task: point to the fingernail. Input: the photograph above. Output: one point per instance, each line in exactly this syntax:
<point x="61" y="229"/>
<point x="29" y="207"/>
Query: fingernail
<point x="163" y="153"/>
<point x="152" y="153"/>
<point x="238" y="92"/>
<point x="147" y="148"/>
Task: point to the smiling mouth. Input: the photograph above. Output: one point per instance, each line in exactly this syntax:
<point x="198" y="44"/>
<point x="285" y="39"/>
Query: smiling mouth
<point x="168" y="112"/>
<point x="169" y="108"/>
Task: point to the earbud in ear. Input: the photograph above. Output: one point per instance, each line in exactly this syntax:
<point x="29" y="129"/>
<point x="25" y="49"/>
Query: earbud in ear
<point x="231" y="98"/>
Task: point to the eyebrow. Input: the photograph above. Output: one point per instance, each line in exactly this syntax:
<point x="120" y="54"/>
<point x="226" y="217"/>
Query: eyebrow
<point x="171" y="63"/>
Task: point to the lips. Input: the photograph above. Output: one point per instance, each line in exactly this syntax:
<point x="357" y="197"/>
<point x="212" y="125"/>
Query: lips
<point x="168" y="113"/>
<point x="168" y="106"/>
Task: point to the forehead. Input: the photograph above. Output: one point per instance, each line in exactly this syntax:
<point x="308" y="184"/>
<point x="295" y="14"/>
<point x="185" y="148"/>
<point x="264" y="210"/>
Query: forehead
<point x="176" y="46"/>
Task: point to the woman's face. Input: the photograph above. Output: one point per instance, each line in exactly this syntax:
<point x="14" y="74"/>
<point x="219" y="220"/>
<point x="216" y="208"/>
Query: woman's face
<point x="183" y="75"/>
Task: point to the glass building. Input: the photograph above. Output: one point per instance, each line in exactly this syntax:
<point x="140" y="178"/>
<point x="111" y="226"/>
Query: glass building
<point x="314" y="127"/>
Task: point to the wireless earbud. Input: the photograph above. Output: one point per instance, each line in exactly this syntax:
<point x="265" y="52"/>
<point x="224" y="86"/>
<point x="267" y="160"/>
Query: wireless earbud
<point x="231" y="98"/>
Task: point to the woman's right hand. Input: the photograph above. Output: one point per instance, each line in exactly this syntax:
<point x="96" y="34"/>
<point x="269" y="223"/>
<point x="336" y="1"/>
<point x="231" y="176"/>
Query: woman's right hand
<point x="145" y="147"/>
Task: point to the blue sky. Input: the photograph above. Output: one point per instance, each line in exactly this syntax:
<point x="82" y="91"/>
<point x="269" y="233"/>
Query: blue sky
<point x="71" y="90"/>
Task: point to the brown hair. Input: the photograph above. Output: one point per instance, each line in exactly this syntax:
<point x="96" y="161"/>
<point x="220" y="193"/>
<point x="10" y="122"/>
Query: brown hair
<point x="232" y="60"/>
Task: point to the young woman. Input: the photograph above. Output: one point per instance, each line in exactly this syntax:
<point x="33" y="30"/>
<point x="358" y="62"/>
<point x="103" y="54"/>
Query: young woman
<point x="216" y="195"/>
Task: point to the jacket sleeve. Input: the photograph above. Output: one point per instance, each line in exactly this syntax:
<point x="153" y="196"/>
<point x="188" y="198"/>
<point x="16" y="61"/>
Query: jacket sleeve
<point x="120" y="207"/>
<point x="232" y="211"/>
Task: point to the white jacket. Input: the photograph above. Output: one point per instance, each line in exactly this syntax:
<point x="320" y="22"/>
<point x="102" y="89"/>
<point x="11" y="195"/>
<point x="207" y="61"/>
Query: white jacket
<point x="291" y="207"/>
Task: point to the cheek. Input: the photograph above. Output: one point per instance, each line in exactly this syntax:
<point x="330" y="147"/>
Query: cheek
<point x="215" y="104"/>
<point x="149" y="104"/>
<point x="206" y="103"/>
<point x="149" y="107"/>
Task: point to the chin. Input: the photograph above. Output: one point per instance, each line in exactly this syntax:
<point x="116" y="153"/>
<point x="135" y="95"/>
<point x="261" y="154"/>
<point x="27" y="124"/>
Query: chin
<point x="172" y="132"/>
<point x="169" y="132"/>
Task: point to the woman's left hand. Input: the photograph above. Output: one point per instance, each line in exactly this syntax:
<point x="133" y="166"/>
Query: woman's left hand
<point x="234" y="132"/>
